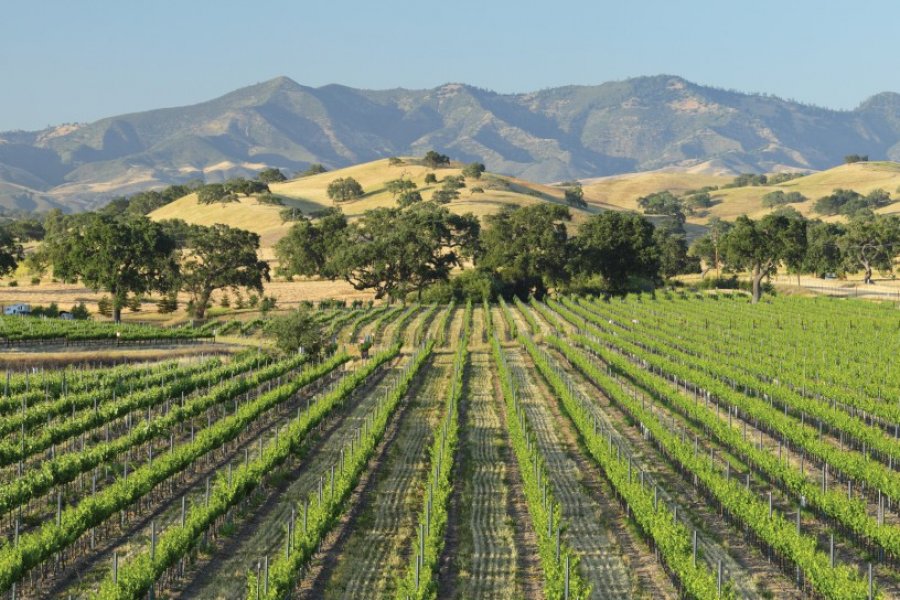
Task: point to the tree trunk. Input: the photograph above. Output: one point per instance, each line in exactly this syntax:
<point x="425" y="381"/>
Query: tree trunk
<point x="867" y="279"/>
<point x="758" y="275"/>
<point x="117" y="312"/>
<point x="201" y="304"/>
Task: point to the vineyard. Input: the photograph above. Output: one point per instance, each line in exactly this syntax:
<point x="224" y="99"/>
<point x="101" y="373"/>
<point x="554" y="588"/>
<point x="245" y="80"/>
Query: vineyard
<point x="667" y="446"/>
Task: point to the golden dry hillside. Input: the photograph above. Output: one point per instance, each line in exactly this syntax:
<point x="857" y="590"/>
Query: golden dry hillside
<point x="623" y="191"/>
<point x="309" y="194"/>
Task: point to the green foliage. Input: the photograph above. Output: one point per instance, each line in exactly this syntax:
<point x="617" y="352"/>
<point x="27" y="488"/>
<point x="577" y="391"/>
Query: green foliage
<point x="290" y="214"/>
<point x="409" y="198"/>
<point x="617" y="246"/>
<point x="453" y="182"/>
<point x="298" y="329"/>
<point x="271" y="175"/>
<point x="247" y="187"/>
<point x="473" y="170"/>
<point x="850" y="202"/>
<point x="435" y="159"/>
<point x="854" y="158"/>
<point x="761" y="246"/>
<point x="133" y="303"/>
<point x="213" y="193"/>
<point x="574" y="196"/>
<point x="11" y="252"/>
<point x="395" y="161"/>
<point x="80" y="312"/>
<point x="393" y="251"/>
<point x="399" y="187"/>
<point x="779" y="198"/>
<point x="105" y="306"/>
<point x="663" y="203"/>
<point x="823" y="252"/>
<point x="777" y="178"/>
<point x="309" y="246"/>
<point x="672" y="248"/>
<point x="430" y="178"/>
<point x="168" y="303"/>
<point x="130" y="255"/>
<point x="343" y="189"/>
<point x="476" y="190"/>
<point x="218" y="257"/>
<point x="698" y="202"/>
<point x="474" y="285"/>
<point x="747" y="179"/>
<point x="527" y="248"/>
<point x="269" y="199"/>
<point x="871" y="242"/>
<point x="707" y="248"/>
<point x="313" y="169"/>
<point x="267" y="304"/>
<point x="444" y="196"/>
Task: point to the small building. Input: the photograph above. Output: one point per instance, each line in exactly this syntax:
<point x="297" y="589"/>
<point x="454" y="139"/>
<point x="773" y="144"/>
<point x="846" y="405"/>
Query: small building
<point x="17" y="309"/>
<point x="66" y="315"/>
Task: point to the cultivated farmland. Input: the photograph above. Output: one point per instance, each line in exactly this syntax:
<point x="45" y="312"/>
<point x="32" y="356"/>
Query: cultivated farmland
<point x="667" y="446"/>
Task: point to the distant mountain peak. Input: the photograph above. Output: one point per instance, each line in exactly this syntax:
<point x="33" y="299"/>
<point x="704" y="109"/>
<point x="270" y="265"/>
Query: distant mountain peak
<point x="556" y="134"/>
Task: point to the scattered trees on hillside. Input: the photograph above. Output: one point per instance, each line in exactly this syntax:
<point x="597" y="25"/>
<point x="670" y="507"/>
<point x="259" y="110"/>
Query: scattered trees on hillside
<point x="246" y="187"/>
<point x="664" y="204"/>
<point x="408" y="198"/>
<point x="400" y="186"/>
<point x="854" y="158"/>
<point x="444" y="196"/>
<point x="473" y="170"/>
<point x="435" y="159"/>
<point x="574" y="196"/>
<point x="780" y="198"/>
<point x="213" y="193"/>
<point x="271" y="175"/>
<point x="343" y="189"/>
<point x="776" y="178"/>
<point x="313" y="169"/>
<point x="850" y="202"/>
<point x="747" y="179"/>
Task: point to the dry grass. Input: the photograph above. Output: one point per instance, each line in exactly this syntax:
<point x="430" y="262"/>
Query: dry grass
<point x="289" y="294"/>
<point x="623" y="191"/>
<point x="310" y="194"/>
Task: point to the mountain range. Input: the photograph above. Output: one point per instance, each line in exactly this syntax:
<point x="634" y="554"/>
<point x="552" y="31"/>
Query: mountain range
<point x="556" y="134"/>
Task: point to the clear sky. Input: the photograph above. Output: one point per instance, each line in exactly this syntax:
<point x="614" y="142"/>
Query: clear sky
<point x="80" y="60"/>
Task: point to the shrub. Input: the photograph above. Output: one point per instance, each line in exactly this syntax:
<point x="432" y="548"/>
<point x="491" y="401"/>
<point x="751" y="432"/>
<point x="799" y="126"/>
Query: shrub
<point x="432" y="178"/>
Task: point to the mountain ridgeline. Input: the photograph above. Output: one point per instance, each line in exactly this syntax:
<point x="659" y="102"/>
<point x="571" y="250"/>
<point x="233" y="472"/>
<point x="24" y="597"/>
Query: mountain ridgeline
<point x="551" y="135"/>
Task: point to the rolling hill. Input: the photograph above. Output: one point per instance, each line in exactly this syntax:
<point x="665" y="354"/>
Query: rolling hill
<point x="644" y="123"/>
<point x="622" y="192"/>
<point x="308" y="194"/>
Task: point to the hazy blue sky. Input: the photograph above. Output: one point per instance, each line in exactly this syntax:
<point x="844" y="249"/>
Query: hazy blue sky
<point x="79" y="60"/>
